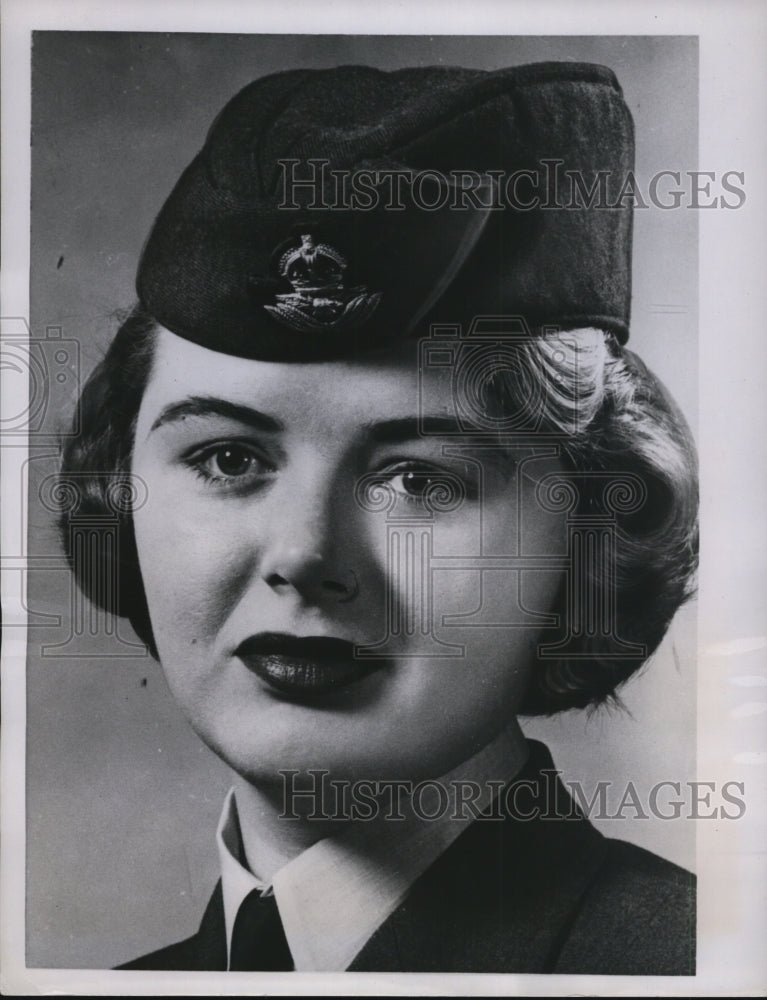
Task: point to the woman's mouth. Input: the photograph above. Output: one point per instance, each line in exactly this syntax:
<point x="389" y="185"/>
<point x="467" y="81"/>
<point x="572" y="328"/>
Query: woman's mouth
<point x="305" y="667"/>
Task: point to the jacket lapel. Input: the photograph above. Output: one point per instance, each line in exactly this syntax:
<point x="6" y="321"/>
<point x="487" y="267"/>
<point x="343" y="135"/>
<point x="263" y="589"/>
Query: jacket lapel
<point x="205" y="951"/>
<point x="211" y="937"/>
<point x="503" y="896"/>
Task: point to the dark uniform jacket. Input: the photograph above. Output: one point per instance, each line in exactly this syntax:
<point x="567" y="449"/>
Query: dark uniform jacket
<point x="537" y="890"/>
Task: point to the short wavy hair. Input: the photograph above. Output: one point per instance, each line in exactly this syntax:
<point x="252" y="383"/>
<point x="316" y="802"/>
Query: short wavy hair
<point x="613" y="417"/>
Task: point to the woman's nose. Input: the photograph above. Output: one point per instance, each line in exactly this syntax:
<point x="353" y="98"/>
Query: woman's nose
<point x="311" y="574"/>
<point x="302" y="550"/>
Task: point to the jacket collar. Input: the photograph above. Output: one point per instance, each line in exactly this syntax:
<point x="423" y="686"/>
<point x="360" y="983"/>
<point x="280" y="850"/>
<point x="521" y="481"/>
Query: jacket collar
<point x="504" y="894"/>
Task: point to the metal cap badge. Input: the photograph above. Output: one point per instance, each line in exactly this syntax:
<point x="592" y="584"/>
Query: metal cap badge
<point x="319" y="300"/>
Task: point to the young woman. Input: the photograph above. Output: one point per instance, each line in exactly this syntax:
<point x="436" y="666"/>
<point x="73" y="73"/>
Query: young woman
<point x="404" y="482"/>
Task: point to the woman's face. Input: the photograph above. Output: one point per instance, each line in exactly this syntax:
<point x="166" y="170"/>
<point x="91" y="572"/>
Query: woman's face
<point x="258" y="548"/>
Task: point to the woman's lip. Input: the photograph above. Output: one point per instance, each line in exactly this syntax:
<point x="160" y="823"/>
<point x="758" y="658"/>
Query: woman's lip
<point x="309" y="647"/>
<point x="310" y="678"/>
<point x="304" y="666"/>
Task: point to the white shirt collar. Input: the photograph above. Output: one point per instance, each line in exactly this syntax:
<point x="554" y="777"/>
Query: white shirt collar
<point x="334" y="895"/>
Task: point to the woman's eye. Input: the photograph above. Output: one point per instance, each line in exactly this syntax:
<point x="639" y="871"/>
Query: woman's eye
<point x="414" y="485"/>
<point x="233" y="461"/>
<point x="229" y="463"/>
<point x="439" y="489"/>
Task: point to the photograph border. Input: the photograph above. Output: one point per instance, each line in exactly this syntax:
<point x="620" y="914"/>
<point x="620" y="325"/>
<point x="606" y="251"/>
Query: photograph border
<point x="731" y="742"/>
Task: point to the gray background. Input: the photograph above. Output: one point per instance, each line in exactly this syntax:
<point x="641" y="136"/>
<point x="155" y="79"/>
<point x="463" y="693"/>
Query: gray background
<point x="122" y="799"/>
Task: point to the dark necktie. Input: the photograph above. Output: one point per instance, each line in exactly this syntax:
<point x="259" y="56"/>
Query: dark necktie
<point x="258" y="940"/>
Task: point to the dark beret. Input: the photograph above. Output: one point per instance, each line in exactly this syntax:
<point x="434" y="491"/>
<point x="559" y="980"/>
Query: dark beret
<point x="332" y="211"/>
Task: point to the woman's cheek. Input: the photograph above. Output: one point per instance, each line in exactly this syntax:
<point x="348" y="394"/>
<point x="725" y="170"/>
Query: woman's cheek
<point x="194" y="570"/>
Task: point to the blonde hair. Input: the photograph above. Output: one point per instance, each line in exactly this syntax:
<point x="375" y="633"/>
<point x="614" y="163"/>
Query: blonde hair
<point x="616" y="419"/>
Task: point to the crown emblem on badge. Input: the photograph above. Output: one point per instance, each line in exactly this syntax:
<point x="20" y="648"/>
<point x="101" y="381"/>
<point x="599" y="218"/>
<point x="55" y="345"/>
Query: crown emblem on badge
<point x="319" y="300"/>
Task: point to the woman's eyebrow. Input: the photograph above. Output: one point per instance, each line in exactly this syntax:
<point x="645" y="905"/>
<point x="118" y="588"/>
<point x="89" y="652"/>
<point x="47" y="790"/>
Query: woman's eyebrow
<point x="206" y="406"/>
<point x="409" y="428"/>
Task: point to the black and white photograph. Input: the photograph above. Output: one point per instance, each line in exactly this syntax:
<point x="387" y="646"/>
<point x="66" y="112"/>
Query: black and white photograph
<point x="357" y="472"/>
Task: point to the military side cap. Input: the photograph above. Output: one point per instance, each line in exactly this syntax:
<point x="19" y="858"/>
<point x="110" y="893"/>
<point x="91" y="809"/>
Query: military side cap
<point x="330" y="212"/>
